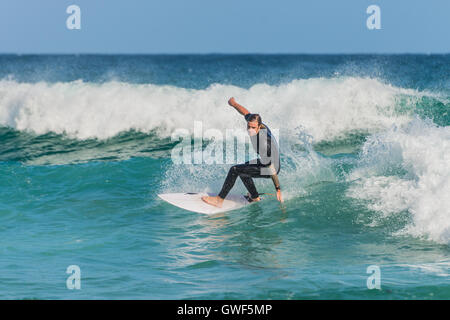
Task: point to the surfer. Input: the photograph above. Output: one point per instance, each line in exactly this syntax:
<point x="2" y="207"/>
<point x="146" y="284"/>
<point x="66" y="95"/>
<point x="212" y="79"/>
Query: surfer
<point x="268" y="166"/>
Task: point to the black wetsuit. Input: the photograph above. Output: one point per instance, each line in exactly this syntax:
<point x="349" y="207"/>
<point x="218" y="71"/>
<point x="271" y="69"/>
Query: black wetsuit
<point x="268" y="166"/>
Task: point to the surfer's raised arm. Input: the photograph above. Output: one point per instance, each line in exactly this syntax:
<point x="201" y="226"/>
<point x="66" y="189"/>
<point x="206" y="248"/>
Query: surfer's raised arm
<point x="238" y="107"/>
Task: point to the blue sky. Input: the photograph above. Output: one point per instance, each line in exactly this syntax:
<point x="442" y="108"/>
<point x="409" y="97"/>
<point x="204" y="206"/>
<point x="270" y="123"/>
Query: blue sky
<point x="226" y="26"/>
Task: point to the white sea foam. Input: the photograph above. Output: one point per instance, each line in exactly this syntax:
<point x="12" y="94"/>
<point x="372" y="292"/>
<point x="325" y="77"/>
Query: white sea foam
<point x="408" y="169"/>
<point x="326" y="108"/>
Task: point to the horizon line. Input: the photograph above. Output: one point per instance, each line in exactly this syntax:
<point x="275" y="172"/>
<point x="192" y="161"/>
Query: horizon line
<point x="223" y="53"/>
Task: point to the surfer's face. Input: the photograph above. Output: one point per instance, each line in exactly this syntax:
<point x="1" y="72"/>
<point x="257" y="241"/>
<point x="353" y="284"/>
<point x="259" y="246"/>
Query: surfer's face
<point x="253" y="128"/>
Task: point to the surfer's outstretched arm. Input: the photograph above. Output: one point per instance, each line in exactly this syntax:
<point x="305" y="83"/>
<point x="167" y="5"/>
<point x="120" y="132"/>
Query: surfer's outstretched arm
<point x="238" y="107"/>
<point x="276" y="183"/>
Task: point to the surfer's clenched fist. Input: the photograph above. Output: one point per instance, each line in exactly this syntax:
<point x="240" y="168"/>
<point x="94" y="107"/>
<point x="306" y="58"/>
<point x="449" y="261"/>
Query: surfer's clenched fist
<point x="232" y="102"/>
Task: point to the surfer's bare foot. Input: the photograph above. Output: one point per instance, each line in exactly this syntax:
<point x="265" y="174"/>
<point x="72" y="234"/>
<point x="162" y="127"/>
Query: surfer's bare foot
<point x="215" y="201"/>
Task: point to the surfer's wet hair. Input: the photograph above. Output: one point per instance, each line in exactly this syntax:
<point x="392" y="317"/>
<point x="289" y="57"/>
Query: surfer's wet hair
<point x="254" y="117"/>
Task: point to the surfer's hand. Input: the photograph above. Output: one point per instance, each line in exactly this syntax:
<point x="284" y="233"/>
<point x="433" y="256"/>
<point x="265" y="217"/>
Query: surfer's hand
<point x="279" y="197"/>
<point x="232" y="102"/>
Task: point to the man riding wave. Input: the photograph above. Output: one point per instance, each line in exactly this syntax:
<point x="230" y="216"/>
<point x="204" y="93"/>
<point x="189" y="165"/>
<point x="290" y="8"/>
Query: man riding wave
<point x="267" y="166"/>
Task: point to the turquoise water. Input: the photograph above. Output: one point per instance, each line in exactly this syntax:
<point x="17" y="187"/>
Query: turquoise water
<point x="86" y="147"/>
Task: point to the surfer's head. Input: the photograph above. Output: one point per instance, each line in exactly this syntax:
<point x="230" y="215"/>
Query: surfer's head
<point x="253" y="124"/>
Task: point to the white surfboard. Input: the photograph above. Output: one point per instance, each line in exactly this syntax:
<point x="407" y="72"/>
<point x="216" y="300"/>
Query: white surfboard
<point x="192" y="201"/>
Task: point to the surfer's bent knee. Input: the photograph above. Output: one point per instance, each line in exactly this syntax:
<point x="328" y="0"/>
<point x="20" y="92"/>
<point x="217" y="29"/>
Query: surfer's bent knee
<point x="234" y="169"/>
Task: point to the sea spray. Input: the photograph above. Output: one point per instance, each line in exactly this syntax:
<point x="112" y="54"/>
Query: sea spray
<point x="408" y="170"/>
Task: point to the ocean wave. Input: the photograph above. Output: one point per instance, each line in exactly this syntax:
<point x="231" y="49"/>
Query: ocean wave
<point x="407" y="169"/>
<point x="328" y="108"/>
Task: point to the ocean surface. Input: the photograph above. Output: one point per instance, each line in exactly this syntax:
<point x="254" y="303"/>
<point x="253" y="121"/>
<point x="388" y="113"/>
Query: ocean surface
<point x="87" y="143"/>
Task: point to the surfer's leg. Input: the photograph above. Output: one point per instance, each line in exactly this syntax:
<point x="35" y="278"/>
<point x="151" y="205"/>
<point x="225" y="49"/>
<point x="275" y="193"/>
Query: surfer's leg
<point x="246" y="171"/>
<point x="250" y="185"/>
<point x="229" y="182"/>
